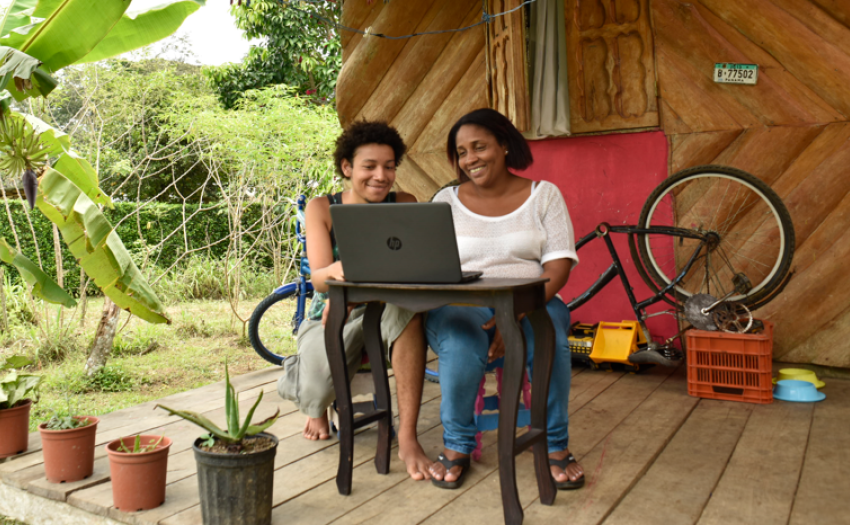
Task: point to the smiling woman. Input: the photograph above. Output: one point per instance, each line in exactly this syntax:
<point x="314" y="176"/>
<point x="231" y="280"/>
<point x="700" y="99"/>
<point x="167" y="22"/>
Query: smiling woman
<point x="506" y="227"/>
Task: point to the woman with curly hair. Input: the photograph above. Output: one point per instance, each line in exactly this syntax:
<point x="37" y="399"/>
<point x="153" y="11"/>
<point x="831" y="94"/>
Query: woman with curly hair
<point x="367" y="154"/>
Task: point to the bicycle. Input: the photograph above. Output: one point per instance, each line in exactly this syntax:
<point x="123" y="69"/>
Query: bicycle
<point x="300" y="290"/>
<point x="690" y="230"/>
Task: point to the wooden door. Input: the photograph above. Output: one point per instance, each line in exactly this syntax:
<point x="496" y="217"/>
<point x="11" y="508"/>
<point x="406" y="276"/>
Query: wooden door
<point x="611" y="65"/>
<point x="506" y="63"/>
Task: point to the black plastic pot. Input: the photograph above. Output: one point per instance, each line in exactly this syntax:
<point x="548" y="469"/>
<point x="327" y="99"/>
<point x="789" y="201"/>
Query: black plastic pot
<point x="236" y="489"/>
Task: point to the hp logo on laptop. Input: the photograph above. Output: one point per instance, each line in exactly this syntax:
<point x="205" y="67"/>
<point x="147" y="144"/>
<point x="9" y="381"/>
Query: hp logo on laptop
<point x="394" y="243"/>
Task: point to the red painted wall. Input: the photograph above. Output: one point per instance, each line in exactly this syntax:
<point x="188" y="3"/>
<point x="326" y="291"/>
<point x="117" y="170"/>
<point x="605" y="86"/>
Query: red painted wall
<point x="605" y="178"/>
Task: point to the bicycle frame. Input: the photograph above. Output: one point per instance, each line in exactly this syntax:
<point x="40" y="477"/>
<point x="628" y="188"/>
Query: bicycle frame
<point x="603" y="231"/>
<point x="302" y="287"/>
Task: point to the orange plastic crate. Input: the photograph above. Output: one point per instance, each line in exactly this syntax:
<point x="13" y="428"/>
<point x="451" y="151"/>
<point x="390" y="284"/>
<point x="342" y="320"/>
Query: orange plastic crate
<point x="733" y="367"/>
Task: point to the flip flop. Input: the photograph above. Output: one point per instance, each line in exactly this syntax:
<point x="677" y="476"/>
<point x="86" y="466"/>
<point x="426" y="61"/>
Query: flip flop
<point x="569" y="484"/>
<point x="448" y="463"/>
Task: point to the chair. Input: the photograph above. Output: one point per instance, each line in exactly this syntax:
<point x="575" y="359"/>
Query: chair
<point x="484" y="403"/>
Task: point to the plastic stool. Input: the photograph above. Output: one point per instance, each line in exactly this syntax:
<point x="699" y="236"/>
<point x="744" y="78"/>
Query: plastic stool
<point x="491" y="404"/>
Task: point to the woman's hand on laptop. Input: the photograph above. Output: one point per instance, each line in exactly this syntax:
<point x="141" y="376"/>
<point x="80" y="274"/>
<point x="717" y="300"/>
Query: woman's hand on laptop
<point x="334" y="272"/>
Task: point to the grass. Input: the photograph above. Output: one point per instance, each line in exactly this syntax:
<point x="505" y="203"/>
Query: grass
<point x="148" y="361"/>
<point x="9" y="521"/>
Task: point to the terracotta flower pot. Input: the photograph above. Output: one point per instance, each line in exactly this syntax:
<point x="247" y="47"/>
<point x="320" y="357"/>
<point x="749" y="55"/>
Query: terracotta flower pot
<point x="14" y="429"/>
<point x="69" y="454"/>
<point x="138" y="480"/>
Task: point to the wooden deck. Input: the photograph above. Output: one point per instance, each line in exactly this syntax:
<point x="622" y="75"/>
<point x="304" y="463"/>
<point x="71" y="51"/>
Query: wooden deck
<point x="652" y="455"/>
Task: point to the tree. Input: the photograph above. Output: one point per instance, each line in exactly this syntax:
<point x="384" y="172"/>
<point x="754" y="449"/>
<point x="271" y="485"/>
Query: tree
<point x="115" y="111"/>
<point x="298" y="50"/>
<point x="37" y="39"/>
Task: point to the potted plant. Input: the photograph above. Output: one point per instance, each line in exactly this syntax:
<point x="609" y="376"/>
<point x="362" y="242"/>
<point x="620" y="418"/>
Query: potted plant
<point x="235" y="466"/>
<point x="138" y="466"/>
<point x="67" y="442"/>
<point x="17" y="392"/>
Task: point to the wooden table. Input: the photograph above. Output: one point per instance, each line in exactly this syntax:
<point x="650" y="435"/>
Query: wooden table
<point x="509" y="298"/>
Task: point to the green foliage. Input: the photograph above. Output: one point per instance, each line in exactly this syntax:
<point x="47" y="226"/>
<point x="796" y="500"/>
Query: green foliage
<point x="140" y="229"/>
<point x="138" y="448"/>
<point x="66" y="422"/>
<point x="111" y="378"/>
<point x="18" y="304"/>
<point x="116" y="110"/>
<point x="66" y="418"/>
<point x="297" y="50"/>
<point x="275" y="144"/>
<point x="237" y="430"/>
<point x="15" y="386"/>
<point x="206" y="278"/>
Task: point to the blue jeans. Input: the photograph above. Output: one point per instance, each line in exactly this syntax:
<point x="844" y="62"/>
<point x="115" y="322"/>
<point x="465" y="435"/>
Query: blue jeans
<point x="455" y="335"/>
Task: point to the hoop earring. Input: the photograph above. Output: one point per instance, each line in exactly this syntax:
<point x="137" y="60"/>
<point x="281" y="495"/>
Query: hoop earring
<point x="506" y="152"/>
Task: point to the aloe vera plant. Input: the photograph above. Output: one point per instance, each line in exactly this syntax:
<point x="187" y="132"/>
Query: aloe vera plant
<point x="236" y="430"/>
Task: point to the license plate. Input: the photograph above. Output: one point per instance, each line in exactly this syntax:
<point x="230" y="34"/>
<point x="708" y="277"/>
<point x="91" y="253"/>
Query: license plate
<point x="736" y="73"/>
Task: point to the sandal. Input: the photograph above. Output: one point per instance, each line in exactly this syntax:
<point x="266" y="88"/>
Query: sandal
<point x="448" y="463"/>
<point x="568" y="484"/>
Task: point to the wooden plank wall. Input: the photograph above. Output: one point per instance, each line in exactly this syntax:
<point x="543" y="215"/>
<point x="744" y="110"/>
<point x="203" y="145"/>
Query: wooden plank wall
<point x="420" y="85"/>
<point x="791" y="130"/>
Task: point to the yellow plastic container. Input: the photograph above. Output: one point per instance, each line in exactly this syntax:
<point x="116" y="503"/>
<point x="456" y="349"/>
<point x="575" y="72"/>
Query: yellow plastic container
<point x="614" y="342"/>
<point x="800" y="374"/>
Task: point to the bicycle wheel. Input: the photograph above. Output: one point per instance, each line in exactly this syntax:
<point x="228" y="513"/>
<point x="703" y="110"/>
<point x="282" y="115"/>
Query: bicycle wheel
<point x="273" y="325"/>
<point x="749" y="232"/>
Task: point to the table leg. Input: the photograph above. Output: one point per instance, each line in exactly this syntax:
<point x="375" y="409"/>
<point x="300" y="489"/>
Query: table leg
<point x="515" y="357"/>
<point x="339" y="372"/>
<point x="377" y="358"/>
<point x="544" y="357"/>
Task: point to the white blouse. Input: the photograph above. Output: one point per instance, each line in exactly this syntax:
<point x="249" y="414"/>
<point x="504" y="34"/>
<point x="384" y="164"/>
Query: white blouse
<point x="517" y="244"/>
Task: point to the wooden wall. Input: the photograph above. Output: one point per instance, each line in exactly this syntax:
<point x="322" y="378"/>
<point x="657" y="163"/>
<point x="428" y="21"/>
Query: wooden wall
<point x="420" y="85"/>
<point x="791" y="130"/>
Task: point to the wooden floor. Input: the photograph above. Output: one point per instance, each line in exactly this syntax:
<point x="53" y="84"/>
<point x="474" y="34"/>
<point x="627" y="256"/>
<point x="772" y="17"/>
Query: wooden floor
<point x="652" y="455"/>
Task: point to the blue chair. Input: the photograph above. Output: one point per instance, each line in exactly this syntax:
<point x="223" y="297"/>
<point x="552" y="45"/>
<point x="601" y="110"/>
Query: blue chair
<point x="483" y="403"/>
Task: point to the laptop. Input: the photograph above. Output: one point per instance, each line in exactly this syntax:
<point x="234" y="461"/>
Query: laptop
<point x="398" y="243"/>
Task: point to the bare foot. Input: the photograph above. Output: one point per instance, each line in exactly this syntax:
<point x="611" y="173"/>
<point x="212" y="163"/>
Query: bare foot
<point x="417" y="463"/>
<point x="317" y="428"/>
<point x="573" y="471"/>
<point x="438" y="470"/>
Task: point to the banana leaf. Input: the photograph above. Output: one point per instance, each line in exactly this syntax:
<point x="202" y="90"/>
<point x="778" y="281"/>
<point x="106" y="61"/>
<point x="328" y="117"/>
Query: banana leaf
<point x="77" y="169"/>
<point x="70" y="29"/>
<point x="19" y="70"/>
<point x="75" y="31"/>
<point x="16" y="14"/>
<point x="140" y="29"/>
<point x="97" y="247"/>
<point x="42" y="285"/>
